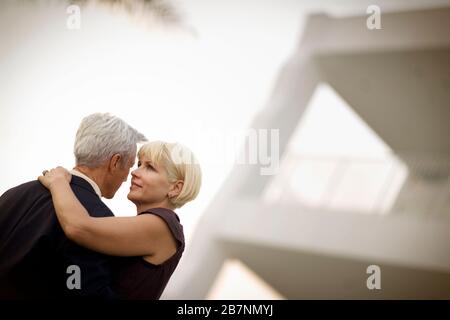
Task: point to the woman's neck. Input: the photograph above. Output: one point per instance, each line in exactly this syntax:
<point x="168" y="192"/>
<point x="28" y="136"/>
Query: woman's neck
<point x="146" y="206"/>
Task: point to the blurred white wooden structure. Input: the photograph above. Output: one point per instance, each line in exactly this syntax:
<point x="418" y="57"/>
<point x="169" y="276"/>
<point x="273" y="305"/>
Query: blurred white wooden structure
<point x="397" y="79"/>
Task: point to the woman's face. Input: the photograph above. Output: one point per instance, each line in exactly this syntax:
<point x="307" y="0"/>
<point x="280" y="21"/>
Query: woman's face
<point x="149" y="184"/>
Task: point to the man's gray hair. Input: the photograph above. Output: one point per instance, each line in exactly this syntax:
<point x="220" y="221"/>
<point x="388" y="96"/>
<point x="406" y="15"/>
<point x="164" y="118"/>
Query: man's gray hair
<point x="100" y="136"/>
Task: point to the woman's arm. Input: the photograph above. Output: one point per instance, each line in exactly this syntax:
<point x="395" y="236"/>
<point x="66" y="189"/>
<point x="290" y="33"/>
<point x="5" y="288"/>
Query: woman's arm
<point x="140" y="235"/>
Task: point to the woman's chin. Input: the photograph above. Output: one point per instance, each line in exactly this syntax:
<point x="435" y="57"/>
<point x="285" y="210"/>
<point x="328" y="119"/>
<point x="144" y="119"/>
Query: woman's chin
<point x="130" y="196"/>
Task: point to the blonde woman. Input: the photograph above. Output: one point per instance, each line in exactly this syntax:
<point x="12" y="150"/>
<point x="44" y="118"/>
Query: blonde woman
<point x="167" y="177"/>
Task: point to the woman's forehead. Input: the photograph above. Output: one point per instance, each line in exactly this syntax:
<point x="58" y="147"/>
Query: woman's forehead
<point x="149" y="159"/>
<point x="145" y="158"/>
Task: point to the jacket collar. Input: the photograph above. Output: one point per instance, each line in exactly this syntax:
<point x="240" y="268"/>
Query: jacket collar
<point x="80" y="180"/>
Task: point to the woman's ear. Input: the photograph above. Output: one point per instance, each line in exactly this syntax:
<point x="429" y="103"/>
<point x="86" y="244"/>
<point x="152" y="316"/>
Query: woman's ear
<point x="176" y="188"/>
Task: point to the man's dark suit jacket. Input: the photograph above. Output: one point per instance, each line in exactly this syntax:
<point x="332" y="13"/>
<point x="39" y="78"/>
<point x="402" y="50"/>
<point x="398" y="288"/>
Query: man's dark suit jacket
<point x="35" y="253"/>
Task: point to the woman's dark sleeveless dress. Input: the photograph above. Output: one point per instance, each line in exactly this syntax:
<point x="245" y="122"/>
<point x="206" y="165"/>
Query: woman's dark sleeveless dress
<point x="135" y="278"/>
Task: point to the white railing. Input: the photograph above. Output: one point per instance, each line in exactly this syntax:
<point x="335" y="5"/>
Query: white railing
<point x="365" y="185"/>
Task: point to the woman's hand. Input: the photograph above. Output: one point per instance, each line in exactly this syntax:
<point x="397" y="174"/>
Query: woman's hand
<point x="54" y="176"/>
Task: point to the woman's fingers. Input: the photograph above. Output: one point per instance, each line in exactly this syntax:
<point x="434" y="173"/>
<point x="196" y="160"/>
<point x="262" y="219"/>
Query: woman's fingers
<point x="49" y="176"/>
<point x="63" y="172"/>
<point x="45" y="180"/>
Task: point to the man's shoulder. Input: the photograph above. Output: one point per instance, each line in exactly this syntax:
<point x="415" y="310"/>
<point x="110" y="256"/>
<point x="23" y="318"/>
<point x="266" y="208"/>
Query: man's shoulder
<point x="31" y="188"/>
<point x="32" y="191"/>
<point x="33" y="184"/>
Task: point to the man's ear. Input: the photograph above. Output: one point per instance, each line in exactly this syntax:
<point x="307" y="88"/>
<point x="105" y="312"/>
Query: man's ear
<point x="114" y="162"/>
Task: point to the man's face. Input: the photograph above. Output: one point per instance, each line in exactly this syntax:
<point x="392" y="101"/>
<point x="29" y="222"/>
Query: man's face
<point x="118" y="176"/>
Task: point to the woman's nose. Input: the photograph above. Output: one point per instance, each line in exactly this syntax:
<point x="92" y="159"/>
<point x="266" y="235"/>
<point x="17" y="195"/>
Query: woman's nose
<point x="133" y="173"/>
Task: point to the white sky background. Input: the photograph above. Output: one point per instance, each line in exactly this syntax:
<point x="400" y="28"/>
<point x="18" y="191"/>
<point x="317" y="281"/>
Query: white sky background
<point x="167" y="82"/>
<point x="170" y="83"/>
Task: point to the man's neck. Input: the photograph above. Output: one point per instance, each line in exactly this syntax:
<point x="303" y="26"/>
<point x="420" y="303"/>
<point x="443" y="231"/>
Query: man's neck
<point x="93" y="174"/>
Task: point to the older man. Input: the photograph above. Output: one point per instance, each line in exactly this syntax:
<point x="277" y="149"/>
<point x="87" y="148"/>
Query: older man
<point x="36" y="258"/>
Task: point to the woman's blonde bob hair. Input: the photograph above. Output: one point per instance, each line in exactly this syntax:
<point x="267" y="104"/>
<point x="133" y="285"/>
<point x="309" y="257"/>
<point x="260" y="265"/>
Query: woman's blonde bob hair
<point x="180" y="164"/>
